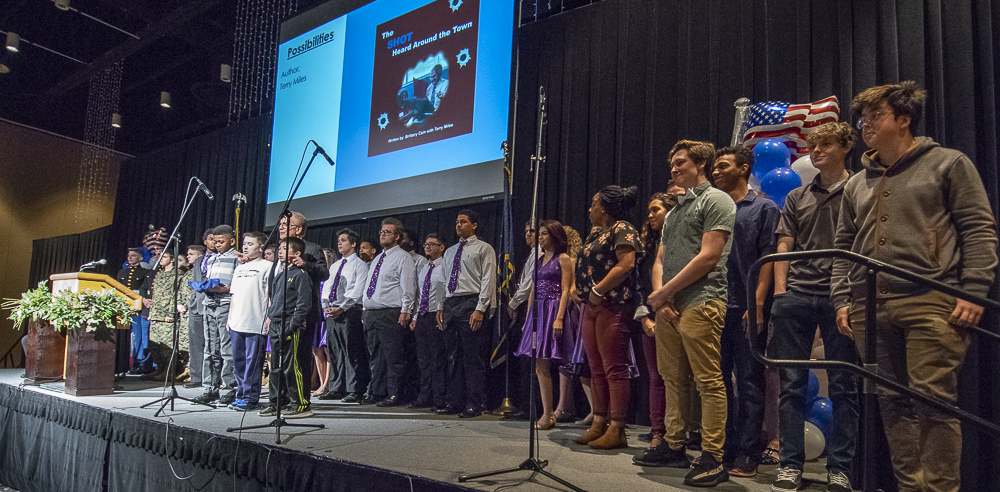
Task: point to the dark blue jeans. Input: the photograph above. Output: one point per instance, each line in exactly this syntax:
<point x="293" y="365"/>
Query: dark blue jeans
<point x="746" y="397"/>
<point x="794" y="319"/>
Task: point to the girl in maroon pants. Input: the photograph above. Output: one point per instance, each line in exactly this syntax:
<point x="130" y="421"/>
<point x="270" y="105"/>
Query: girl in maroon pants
<point x="605" y="278"/>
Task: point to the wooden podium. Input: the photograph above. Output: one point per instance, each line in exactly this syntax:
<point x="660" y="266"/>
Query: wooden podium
<point x="87" y="359"/>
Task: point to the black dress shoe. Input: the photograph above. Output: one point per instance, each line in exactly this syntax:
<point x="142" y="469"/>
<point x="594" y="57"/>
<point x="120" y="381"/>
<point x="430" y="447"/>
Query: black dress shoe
<point x="351" y="398"/>
<point x="331" y="395"/>
<point x="448" y="410"/>
<point x="519" y="416"/>
<point x="370" y="400"/>
<point x="470" y="412"/>
<point x="392" y="401"/>
<point x="418" y="405"/>
<point x="206" y="397"/>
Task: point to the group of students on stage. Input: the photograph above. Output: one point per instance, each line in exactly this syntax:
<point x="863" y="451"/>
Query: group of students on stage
<point x="403" y="327"/>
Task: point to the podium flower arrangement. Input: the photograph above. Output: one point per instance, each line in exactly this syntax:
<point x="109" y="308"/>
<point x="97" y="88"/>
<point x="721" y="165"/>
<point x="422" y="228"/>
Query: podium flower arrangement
<point x="67" y="309"/>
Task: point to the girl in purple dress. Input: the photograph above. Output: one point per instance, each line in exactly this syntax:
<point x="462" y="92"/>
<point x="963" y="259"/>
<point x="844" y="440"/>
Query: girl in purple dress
<point x="546" y="311"/>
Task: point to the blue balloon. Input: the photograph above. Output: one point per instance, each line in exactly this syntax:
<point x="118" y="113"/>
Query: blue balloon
<point x="821" y="414"/>
<point x="777" y="183"/>
<point x="812" y="390"/>
<point x="768" y="156"/>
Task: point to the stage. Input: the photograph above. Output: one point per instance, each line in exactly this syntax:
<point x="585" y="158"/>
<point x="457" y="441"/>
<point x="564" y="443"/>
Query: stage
<point x="361" y="448"/>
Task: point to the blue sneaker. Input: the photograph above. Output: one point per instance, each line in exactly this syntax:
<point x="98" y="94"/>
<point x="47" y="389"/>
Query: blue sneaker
<point x="240" y="405"/>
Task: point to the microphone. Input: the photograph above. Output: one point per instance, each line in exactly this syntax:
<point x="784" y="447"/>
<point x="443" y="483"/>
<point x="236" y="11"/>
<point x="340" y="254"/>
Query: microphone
<point x="204" y="188"/>
<point x="93" y="264"/>
<point x="319" y="150"/>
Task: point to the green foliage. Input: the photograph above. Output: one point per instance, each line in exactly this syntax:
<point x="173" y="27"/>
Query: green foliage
<point x="33" y="304"/>
<point x="68" y="309"/>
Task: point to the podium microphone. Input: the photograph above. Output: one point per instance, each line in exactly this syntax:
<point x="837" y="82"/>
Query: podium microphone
<point x="93" y="264"/>
<point x="204" y="188"/>
<point x="319" y="150"/>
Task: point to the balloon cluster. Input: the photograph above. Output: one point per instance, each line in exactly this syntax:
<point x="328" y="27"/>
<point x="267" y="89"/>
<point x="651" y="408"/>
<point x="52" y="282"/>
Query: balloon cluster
<point x="819" y="420"/>
<point x="773" y="169"/>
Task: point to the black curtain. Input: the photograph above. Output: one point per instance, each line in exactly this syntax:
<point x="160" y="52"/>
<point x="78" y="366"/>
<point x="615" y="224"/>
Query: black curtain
<point x="628" y="78"/>
<point x="151" y="187"/>
<point x="49" y="443"/>
<point x="65" y="254"/>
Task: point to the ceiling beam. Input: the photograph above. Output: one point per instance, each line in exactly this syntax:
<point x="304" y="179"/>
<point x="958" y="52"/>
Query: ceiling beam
<point x="167" y="26"/>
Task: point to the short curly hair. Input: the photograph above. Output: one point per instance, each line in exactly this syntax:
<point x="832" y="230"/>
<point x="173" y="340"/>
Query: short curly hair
<point x="906" y="98"/>
<point x="840" y="132"/>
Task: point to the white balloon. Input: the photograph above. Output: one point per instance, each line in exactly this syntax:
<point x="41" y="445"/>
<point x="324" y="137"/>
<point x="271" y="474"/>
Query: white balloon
<point x="814" y="440"/>
<point x="805" y="169"/>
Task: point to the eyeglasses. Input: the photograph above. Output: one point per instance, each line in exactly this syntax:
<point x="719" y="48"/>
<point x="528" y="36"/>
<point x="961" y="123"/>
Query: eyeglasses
<point x="433" y="244"/>
<point x="386" y="233"/>
<point x="869" y="120"/>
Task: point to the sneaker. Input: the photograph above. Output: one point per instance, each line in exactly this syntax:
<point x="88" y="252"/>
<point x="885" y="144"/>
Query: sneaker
<point x="239" y="405"/>
<point x="838" y="482"/>
<point x="206" y="398"/>
<point x="297" y="412"/>
<point x="706" y="472"/>
<point x="662" y="456"/>
<point x="270" y="411"/>
<point x="227" y="398"/>
<point x="744" y="467"/>
<point x="789" y="480"/>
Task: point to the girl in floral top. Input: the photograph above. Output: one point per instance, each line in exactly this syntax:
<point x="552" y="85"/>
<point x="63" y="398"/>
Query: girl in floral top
<point x="605" y="278"/>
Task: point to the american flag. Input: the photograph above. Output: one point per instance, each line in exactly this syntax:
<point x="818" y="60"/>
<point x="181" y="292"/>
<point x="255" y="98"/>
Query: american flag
<point x="786" y="122"/>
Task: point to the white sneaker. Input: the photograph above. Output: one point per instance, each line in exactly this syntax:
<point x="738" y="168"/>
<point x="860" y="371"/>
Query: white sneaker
<point x="789" y="480"/>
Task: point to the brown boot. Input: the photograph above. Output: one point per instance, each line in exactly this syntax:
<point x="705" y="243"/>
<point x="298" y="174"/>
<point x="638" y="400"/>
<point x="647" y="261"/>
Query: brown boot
<point x="596" y="430"/>
<point x="614" y="438"/>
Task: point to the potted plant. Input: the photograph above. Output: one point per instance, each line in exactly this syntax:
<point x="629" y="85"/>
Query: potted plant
<point x="44" y="355"/>
<point x="88" y="318"/>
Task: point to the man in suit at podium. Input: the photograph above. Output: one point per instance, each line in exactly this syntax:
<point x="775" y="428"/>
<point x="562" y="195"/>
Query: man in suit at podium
<point x="138" y="279"/>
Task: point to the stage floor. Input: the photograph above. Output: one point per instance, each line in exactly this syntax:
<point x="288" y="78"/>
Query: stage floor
<point x="428" y="445"/>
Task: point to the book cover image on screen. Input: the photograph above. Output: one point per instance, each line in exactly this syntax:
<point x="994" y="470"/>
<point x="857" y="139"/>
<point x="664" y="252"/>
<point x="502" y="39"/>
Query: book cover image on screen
<point x="424" y="76"/>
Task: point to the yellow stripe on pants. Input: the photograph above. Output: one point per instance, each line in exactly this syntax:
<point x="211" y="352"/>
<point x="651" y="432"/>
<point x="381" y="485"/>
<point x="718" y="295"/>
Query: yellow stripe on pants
<point x="298" y="372"/>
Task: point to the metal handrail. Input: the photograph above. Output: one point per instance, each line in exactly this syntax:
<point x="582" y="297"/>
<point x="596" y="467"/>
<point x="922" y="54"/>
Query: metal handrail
<point x="869" y="371"/>
<point x="9" y="354"/>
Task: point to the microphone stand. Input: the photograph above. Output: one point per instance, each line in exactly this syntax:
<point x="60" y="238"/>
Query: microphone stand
<point x="532" y="463"/>
<point x="175" y="239"/>
<point x="278" y="371"/>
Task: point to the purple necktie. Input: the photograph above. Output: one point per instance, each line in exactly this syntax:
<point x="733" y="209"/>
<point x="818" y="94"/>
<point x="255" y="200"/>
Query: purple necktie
<point x="453" y="281"/>
<point x="371" y="286"/>
<point x="204" y="263"/>
<point x="336" y="282"/>
<point x="425" y="296"/>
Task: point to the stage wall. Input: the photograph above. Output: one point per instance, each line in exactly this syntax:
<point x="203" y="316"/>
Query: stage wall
<point x="39" y="179"/>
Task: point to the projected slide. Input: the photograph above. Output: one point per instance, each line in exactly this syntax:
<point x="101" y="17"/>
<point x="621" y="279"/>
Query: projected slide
<point x="434" y="98"/>
<point x="409" y="97"/>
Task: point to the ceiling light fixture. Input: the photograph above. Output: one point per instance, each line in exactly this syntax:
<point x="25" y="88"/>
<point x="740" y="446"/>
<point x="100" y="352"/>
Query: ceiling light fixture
<point x="165" y="99"/>
<point x="116" y="120"/>
<point x="13" y="42"/>
<point x="226" y="73"/>
<point x="62" y="4"/>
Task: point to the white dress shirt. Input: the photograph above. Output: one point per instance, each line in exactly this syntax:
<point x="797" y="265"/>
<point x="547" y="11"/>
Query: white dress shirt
<point x="436" y="91"/>
<point x="397" y="281"/>
<point x="351" y="286"/>
<point x="477" y="274"/>
<point x="438" y="287"/>
<point x="524" y="286"/>
<point x="419" y="261"/>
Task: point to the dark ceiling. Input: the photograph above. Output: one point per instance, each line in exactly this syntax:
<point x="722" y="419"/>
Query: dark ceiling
<point x="178" y="47"/>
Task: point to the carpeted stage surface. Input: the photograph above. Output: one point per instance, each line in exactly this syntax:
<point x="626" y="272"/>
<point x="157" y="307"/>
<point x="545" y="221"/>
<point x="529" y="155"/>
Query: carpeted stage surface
<point x="417" y="443"/>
